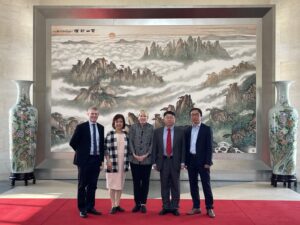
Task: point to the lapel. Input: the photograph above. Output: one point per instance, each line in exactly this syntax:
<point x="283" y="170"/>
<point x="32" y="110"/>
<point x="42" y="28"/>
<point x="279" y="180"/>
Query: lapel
<point x="99" y="128"/>
<point x="189" y="132"/>
<point x="87" y="131"/>
<point x="174" y="138"/>
<point x="161" y="139"/>
<point x="87" y="127"/>
<point x="201" y="131"/>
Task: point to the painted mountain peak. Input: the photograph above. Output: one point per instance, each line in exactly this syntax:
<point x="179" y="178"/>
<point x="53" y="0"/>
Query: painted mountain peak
<point x="89" y="73"/>
<point x="187" y="50"/>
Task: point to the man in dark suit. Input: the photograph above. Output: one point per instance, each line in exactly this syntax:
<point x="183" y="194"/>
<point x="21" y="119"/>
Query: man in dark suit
<point x="168" y="157"/>
<point x="88" y="144"/>
<point x="198" y="161"/>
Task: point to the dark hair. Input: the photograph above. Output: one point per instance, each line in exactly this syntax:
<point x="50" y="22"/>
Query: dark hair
<point x="116" y="117"/>
<point x="196" y="109"/>
<point x="169" y="112"/>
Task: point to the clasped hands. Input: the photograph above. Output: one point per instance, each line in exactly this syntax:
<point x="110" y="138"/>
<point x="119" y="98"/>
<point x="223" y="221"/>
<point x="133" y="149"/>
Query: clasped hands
<point x="140" y="158"/>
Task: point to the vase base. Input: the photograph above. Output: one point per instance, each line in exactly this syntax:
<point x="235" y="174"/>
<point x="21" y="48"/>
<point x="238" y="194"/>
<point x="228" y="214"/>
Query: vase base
<point x="286" y="179"/>
<point x="22" y="176"/>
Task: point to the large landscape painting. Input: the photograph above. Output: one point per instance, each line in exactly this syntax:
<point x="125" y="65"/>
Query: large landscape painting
<point x="122" y="69"/>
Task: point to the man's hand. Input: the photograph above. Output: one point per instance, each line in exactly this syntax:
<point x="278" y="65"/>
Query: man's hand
<point x="206" y="166"/>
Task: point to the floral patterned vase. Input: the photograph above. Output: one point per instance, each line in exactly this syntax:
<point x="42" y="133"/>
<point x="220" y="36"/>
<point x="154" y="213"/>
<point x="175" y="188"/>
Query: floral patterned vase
<point x="22" y="135"/>
<point x="283" y="122"/>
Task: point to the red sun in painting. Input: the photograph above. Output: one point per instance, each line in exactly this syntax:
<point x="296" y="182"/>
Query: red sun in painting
<point x="111" y="35"/>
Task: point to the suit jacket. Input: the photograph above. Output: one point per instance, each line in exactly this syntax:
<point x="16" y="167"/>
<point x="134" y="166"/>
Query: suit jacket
<point x="81" y="143"/>
<point x="203" y="145"/>
<point x="178" y="148"/>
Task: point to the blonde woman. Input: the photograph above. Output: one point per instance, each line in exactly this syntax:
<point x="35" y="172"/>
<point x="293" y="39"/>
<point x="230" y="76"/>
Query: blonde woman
<point x="140" y="143"/>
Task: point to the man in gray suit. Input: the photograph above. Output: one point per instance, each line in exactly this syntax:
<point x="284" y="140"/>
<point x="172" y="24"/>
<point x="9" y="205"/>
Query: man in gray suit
<point x="169" y="156"/>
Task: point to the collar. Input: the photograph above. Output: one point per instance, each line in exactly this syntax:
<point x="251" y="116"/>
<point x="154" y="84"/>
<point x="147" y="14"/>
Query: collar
<point x="196" y="125"/>
<point x="91" y="123"/>
<point x="172" y="127"/>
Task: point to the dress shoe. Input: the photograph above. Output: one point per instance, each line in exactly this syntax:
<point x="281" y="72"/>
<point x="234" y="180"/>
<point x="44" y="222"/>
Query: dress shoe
<point x="83" y="214"/>
<point x="211" y="213"/>
<point x="119" y="209"/>
<point x="113" y="210"/>
<point x="175" y="212"/>
<point x="136" y="208"/>
<point x="194" y="211"/>
<point x="94" y="211"/>
<point x="163" y="212"/>
<point x="143" y="209"/>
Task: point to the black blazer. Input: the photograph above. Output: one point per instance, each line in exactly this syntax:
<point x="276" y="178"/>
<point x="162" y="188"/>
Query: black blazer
<point x="81" y="143"/>
<point x="178" y="148"/>
<point x="203" y="145"/>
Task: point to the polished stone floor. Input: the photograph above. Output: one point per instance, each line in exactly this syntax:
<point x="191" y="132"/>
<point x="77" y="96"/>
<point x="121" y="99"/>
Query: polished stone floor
<point x="221" y="190"/>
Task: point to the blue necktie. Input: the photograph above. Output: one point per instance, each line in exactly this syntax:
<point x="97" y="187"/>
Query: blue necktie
<point x="94" y="140"/>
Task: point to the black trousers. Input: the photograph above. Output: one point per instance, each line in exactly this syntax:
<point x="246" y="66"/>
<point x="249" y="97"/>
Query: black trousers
<point x="87" y="183"/>
<point x="140" y="177"/>
<point x="194" y="170"/>
<point x="170" y="185"/>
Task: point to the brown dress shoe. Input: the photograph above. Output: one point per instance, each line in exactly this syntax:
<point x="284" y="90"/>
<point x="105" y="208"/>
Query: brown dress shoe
<point x="211" y="213"/>
<point x="194" y="211"/>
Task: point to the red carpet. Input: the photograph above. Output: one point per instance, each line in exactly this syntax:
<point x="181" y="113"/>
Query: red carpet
<point x="64" y="212"/>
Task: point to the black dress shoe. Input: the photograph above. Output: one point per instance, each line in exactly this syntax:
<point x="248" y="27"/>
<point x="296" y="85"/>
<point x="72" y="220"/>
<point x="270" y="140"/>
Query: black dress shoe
<point x="94" y="211"/>
<point x="83" y="214"/>
<point x="143" y="209"/>
<point x="175" y="212"/>
<point x="120" y="209"/>
<point x="163" y="212"/>
<point x="113" y="210"/>
<point x="136" y="208"/>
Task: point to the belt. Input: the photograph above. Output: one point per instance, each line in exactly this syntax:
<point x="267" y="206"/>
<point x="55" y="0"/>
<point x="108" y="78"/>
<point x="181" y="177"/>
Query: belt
<point x="193" y="155"/>
<point x="167" y="157"/>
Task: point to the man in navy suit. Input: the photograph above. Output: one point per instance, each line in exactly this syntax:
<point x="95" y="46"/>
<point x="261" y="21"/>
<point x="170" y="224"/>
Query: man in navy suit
<point x="198" y="161"/>
<point x="88" y="144"/>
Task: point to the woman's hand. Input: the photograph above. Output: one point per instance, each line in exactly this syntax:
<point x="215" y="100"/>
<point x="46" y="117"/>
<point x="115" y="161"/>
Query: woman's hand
<point x="109" y="165"/>
<point x="138" y="157"/>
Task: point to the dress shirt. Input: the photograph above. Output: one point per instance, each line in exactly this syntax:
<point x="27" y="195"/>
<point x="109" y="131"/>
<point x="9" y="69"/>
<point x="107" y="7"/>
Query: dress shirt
<point x="194" y="135"/>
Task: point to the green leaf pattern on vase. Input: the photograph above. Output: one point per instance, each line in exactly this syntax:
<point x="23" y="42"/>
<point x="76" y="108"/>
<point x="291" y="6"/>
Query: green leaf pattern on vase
<point x="22" y="131"/>
<point x="283" y="123"/>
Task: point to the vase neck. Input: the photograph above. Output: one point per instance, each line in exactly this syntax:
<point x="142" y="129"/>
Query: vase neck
<point x="23" y="91"/>
<point x="282" y="88"/>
